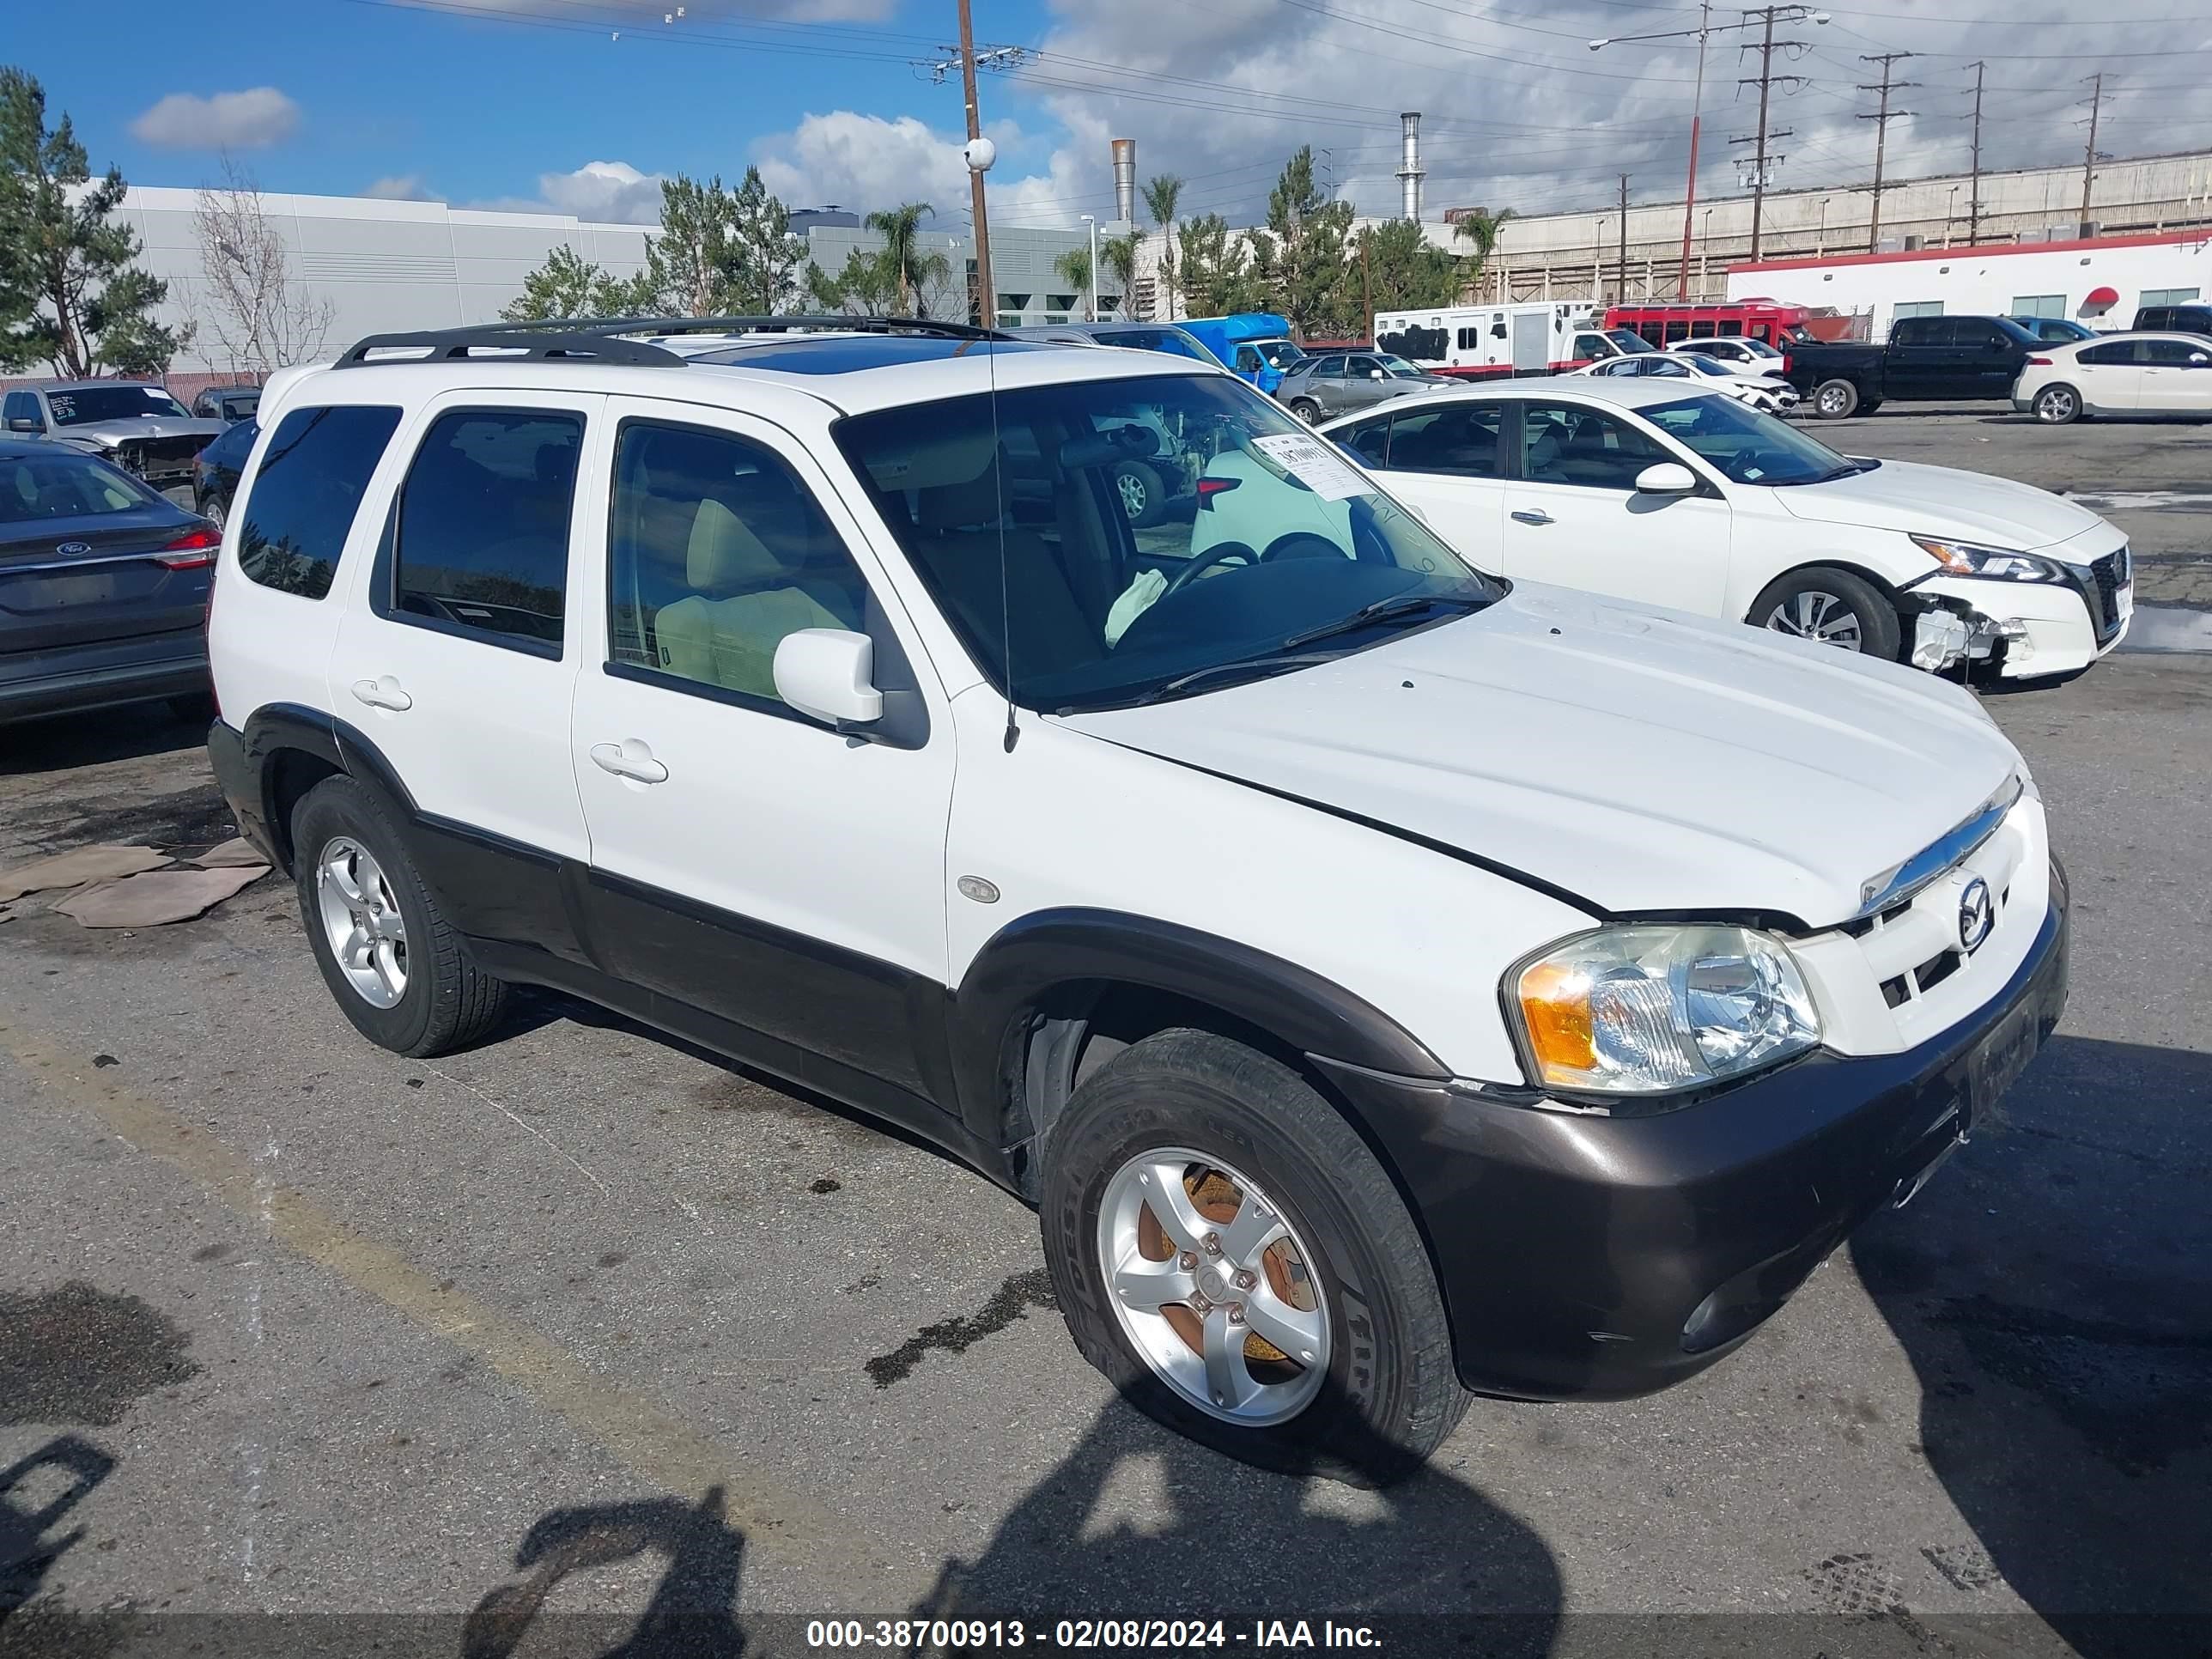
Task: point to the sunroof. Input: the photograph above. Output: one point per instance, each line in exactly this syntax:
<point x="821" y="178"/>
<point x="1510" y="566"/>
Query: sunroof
<point x="847" y="354"/>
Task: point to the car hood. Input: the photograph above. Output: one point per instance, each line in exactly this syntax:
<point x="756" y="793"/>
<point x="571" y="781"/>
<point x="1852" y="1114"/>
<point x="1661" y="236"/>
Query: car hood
<point x="108" y="434"/>
<point x="1942" y="501"/>
<point x="1642" y="762"/>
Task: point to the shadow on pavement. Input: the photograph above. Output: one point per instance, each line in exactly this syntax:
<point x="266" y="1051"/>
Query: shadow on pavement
<point x="63" y="741"/>
<point x="2055" y="1296"/>
<point x="28" y="1544"/>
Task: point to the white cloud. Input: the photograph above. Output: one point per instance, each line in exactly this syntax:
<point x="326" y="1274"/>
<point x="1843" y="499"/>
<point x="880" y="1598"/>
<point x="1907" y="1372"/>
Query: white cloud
<point x="611" y="192"/>
<point x="252" y="119"/>
<point x="402" y="188"/>
<point x="866" y="161"/>
<point x="697" y="13"/>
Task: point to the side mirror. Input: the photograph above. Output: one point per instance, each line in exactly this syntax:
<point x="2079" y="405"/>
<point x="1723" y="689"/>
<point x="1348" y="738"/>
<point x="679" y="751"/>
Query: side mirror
<point x="2197" y="358"/>
<point x="1661" y="478"/>
<point x="827" y="674"/>
<point x="1374" y="374"/>
<point x="27" y="423"/>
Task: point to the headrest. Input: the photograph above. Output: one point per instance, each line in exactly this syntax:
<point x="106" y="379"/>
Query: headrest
<point x="954" y="505"/>
<point x="723" y="554"/>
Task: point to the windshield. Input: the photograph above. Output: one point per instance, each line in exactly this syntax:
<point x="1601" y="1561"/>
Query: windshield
<point x="1706" y="366"/>
<point x="1628" y="340"/>
<point x="1747" y="447"/>
<point x="63" y="485"/>
<point x="1156" y="537"/>
<point x="80" y="406"/>
<point x="1280" y="354"/>
<point x="1169" y="340"/>
<point x="1399" y="369"/>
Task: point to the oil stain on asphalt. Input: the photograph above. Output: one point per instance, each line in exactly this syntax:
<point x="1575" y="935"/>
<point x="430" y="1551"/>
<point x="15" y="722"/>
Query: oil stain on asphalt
<point x="1021" y="1292"/>
<point x="79" y="1354"/>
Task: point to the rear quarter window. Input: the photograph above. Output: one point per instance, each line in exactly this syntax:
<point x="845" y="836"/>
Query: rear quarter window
<point x="300" y="506"/>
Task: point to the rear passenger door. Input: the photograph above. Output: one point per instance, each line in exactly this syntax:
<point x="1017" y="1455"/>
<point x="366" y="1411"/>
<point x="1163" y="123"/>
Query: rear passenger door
<point x="1916" y="362"/>
<point x="1445" y="457"/>
<point x="746" y="860"/>
<point x="2109" y="375"/>
<point x="458" y="652"/>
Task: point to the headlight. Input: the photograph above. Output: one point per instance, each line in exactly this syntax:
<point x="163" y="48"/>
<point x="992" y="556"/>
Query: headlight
<point x="1967" y="559"/>
<point x="1650" y="1009"/>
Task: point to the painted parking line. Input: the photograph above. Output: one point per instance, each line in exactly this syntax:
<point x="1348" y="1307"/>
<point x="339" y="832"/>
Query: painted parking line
<point x="655" y="1446"/>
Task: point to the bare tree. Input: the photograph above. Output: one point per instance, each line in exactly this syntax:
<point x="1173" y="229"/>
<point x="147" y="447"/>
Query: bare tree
<point x="255" y="310"/>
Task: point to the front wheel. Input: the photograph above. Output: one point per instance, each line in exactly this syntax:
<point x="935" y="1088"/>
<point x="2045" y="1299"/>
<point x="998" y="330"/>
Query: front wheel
<point x="1144" y="498"/>
<point x="1833" y="400"/>
<point x="2057" y="405"/>
<point x="1832" y="606"/>
<point x="1229" y="1253"/>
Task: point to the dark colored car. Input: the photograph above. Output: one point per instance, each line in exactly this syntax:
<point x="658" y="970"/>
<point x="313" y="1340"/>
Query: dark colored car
<point x="2173" y="319"/>
<point x="1926" y="358"/>
<point x="1339" y="382"/>
<point x="2054" y="330"/>
<point x="103" y="587"/>
<point x="227" y="403"/>
<point x="216" y="469"/>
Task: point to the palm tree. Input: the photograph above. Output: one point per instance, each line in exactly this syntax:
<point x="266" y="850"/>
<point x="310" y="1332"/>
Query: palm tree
<point x="1074" y="268"/>
<point x="1162" y="196"/>
<point x="1479" y="227"/>
<point x="1119" y="255"/>
<point x="901" y="230"/>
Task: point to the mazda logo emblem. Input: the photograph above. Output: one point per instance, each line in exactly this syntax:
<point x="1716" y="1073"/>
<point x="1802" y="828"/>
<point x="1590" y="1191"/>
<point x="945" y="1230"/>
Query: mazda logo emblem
<point x="71" y="549"/>
<point x="1976" y="914"/>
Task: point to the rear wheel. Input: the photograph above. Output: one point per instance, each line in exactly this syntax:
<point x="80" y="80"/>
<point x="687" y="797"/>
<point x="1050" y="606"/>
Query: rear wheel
<point x="1832" y="606"/>
<point x="1229" y="1253"/>
<point x="216" y="512"/>
<point x="1306" y="409"/>
<point x="393" y="960"/>
<point x="1833" y="401"/>
<point x="2057" y="405"/>
<point x="1144" y="497"/>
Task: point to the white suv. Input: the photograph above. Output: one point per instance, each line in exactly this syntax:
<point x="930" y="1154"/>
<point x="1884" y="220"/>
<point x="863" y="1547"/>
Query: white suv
<point x="1386" y="982"/>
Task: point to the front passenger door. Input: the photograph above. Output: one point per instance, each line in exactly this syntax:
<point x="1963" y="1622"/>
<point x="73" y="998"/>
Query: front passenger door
<point x="747" y="862"/>
<point x="2177" y="377"/>
<point x="1573" y="514"/>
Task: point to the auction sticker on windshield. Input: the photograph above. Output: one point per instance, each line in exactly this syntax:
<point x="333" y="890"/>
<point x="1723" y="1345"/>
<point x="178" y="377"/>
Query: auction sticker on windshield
<point x="1313" y="464"/>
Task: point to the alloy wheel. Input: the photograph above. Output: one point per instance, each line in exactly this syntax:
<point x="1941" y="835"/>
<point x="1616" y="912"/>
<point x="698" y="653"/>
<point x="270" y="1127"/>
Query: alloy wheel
<point x="2056" y="404"/>
<point x="1814" y="615"/>
<point x="1832" y="402"/>
<point x="1134" y="495"/>
<point x="1213" y="1287"/>
<point x="362" y="921"/>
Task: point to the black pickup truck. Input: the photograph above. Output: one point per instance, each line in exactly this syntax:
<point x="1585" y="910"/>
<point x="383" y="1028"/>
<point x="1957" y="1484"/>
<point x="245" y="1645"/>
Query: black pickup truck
<point x="1926" y="358"/>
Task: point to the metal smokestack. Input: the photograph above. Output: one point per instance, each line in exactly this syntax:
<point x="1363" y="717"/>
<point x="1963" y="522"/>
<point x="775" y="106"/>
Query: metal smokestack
<point x="1409" y="166"/>
<point x="1125" y="180"/>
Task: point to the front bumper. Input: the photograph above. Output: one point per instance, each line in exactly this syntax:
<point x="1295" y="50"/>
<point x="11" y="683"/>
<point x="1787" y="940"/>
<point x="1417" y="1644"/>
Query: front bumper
<point x="1602" y="1258"/>
<point x="2039" y="628"/>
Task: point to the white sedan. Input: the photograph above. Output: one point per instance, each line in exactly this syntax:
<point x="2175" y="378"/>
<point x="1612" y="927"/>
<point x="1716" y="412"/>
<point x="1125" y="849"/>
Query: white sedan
<point x="2141" y="374"/>
<point x="1735" y="353"/>
<point x="1769" y="393"/>
<point x="1667" y="497"/>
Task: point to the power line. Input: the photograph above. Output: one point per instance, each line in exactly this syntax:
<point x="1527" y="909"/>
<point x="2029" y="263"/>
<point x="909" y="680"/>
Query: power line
<point x="1765" y="80"/>
<point x="1888" y="60"/>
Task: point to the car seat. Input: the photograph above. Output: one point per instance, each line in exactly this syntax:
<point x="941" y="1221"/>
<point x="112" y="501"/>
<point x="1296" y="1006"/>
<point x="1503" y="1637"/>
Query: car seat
<point x="744" y="601"/>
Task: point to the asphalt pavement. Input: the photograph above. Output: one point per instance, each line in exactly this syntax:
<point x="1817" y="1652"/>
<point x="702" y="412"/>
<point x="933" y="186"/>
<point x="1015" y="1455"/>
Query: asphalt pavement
<point x="582" y="1338"/>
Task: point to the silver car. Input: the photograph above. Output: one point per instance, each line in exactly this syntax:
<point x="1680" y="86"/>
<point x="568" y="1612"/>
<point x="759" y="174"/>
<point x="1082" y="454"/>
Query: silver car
<point x="138" y="426"/>
<point x="1338" y="382"/>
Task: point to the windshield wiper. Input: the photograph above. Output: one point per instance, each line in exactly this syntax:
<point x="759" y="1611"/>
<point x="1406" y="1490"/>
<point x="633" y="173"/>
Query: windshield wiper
<point x="1402" y="605"/>
<point x="1256" y="667"/>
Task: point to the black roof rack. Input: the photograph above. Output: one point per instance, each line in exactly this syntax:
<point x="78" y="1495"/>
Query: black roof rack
<point x="506" y="342"/>
<point x="791" y="325"/>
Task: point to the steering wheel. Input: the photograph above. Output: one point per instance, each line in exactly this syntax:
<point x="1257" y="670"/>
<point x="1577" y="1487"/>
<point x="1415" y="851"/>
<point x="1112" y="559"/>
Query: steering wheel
<point x="1220" y="553"/>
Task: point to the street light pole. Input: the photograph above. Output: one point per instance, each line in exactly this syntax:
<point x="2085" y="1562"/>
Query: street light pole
<point x="1092" y="222"/>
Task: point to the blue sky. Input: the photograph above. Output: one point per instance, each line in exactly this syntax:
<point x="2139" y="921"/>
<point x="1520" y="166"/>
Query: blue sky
<point x="532" y="102"/>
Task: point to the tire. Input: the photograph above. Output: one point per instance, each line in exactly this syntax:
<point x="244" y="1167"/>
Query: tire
<point x="1384" y="1396"/>
<point x="2057" y="405"/>
<point x="1834" y="400"/>
<point x="445" y="1001"/>
<point x="1867" y="405"/>
<point x="1306" y="409"/>
<point x="1874" y="626"/>
<point x="216" y="512"/>
<point x="1144" y="497"/>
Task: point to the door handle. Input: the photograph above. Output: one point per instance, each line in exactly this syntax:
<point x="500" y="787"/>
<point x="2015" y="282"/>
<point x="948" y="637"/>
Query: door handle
<point x="1536" y="517"/>
<point x="381" y="693"/>
<point x="628" y="759"/>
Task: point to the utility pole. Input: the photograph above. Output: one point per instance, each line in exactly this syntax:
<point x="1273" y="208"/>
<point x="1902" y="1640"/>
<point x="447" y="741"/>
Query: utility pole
<point x="986" y="294"/>
<point x="1624" y="239"/>
<point x="1974" y="200"/>
<point x="1765" y="82"/>
<point x="1366" y="287"/>
<point x="2089" y="157"/>
<point x="1689" y="195"/>
<point x="1887" y="60"/>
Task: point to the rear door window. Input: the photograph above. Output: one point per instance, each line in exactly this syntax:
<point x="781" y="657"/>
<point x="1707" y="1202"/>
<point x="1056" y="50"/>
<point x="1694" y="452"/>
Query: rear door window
<point x="300" y="506"/>
<point x="1458" y="440"/>
<point x="482" y="533"/>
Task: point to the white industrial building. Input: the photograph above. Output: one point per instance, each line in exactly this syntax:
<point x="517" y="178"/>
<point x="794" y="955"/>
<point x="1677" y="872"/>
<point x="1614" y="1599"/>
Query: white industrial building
<point x="2100" y="281"/>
